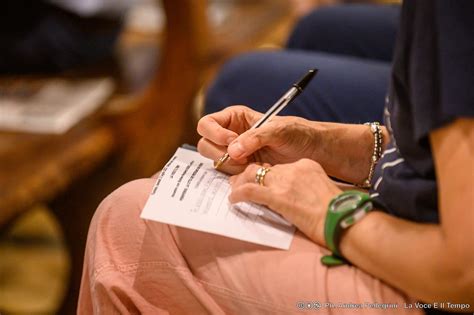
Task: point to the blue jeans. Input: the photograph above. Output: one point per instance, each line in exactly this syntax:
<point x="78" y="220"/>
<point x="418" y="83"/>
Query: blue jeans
<point x="352" y="47"/>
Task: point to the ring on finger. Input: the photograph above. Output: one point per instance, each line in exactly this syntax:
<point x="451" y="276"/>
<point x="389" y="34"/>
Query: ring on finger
<point x="260" y="175"/>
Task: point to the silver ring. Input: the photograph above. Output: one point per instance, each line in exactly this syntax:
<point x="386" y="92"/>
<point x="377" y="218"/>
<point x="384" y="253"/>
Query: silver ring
<point x="260" y="175"/>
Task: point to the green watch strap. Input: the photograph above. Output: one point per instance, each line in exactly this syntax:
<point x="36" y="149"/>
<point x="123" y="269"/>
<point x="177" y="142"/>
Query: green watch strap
<point x="343" y="211"/>
<point x="332" y="260"/>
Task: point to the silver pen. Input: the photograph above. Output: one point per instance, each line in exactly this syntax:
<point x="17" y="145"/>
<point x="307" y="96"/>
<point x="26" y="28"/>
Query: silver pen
<point x="290" y="95"/>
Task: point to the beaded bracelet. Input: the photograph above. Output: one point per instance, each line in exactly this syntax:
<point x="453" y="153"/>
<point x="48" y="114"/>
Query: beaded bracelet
<point x="376" y="155"/>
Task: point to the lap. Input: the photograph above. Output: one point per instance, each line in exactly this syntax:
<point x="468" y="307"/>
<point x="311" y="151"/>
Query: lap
<point x="346" y="89"/>
<point x="161" y="267"/>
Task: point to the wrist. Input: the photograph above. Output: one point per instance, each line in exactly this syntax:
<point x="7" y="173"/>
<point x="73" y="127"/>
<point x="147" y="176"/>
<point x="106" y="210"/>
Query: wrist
<point x="318" y="236"/>
<point x="349" y="242"/>
<point x="344" y="211"/>
<point x="343" y="150"/>
<point x="376" y="131"/>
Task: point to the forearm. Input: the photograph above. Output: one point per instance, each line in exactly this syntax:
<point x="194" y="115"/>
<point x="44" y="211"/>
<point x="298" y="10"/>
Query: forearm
<point x="345" y="150"/>
<point x="412" y="257"/>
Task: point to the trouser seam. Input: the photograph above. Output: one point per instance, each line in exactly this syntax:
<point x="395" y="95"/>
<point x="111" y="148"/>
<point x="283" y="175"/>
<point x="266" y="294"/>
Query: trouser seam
<point x="184" y="271"/>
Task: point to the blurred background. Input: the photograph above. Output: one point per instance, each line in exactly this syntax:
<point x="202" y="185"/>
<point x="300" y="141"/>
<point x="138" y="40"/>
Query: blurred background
<point x="94" y="94"/>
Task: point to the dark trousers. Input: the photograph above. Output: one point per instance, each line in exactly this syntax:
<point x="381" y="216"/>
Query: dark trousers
<point x="352" y="47"/>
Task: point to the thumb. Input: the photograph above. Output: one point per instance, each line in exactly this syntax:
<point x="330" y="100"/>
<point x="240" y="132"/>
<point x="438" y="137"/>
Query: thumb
<point x="249" y="142"/>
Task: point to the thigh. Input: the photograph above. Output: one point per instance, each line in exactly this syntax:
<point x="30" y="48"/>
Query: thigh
<point x="244" y="278"/>
<point x="346" y="89"/>
<point x="146" y="267"/>
<point x="360" y="30"/>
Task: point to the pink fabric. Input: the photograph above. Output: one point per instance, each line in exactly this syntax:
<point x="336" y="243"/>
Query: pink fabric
<point x="133" y="266"/>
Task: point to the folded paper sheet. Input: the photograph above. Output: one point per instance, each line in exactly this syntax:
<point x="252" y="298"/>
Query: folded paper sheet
<point x="190" y="193"/>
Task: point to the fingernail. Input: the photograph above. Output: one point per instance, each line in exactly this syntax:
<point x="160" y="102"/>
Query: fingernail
<point x="235" y="150"/>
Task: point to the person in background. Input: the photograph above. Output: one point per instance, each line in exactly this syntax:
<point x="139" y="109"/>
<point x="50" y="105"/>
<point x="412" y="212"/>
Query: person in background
<point x="351" y="44"/>
<point x="414" y="242"/>
<point x="47" y="36"/>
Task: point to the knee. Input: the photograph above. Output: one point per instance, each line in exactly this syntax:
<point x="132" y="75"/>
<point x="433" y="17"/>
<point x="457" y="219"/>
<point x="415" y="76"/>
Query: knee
<point x="234" y="82"/>
<point x="241" y="80"/>
<point x="123" y="206"/>
<point x="116" y="232"/>
<point x="311" y="31"/>
<point x="224" y="90"/>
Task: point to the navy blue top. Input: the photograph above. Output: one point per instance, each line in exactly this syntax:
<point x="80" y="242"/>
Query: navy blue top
<point x="432" y="84"/>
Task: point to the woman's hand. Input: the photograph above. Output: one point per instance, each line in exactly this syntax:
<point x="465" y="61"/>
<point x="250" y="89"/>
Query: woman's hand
<point x="281" y="140"/>
<point x="299" y="191"/>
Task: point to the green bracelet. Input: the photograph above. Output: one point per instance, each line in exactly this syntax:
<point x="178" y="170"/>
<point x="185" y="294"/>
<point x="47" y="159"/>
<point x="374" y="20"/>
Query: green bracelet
<point x="343" y="211"/>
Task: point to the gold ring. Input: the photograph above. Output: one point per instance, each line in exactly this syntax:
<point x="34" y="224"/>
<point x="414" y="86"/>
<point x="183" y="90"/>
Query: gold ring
<point x="260" y="175"/>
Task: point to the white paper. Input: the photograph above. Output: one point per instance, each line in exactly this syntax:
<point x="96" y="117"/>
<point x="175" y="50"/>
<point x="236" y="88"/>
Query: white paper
<point x="190" y="193"/>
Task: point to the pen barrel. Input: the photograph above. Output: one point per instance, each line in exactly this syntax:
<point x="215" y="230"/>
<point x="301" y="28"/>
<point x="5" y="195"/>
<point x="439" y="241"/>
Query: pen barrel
<point x="277" y="107"/>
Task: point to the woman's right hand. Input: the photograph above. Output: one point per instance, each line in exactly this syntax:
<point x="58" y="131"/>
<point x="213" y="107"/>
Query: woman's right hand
<point x="281" y="140"/>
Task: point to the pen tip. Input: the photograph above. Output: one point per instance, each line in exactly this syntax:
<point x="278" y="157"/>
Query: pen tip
<point x="221" y="160"/>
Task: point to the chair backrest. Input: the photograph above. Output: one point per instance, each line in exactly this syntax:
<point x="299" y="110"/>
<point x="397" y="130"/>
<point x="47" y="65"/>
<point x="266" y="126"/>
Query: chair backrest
<point x="163" y="115"/>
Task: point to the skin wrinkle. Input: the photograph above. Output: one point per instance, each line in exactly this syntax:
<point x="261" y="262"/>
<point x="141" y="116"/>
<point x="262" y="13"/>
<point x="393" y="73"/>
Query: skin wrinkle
<point x="358" y="164"/>
<point x="345" y="151"/>
<point x="339" y="141"/>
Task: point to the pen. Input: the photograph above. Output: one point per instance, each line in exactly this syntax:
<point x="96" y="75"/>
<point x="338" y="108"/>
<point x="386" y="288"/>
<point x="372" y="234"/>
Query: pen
<point x="290" y="95"/>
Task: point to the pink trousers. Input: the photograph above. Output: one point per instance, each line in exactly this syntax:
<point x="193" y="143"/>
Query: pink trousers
<point x="133" y="266"/>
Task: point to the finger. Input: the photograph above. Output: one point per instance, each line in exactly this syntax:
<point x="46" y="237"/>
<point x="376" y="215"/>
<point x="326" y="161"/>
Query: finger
<point x="212" y="151"/>
<point x="252" y="192"/>
<point x="251" y="141"/>
<point x="246" y="176"/>
<point x="250" y="175"/>
<point x="211" y="127"/>
<point x="224" y="126"/>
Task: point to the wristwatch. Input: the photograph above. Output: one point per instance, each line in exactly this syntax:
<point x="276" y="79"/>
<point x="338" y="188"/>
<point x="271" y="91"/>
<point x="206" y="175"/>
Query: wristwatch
<point x="343" y="211"/>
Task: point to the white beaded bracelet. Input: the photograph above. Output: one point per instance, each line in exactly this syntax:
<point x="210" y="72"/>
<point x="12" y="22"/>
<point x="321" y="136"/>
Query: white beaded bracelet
<point x="377" y="153"/>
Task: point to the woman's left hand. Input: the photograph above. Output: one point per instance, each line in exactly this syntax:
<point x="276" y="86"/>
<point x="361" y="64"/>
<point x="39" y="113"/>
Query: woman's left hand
<point x="299" y="191"/>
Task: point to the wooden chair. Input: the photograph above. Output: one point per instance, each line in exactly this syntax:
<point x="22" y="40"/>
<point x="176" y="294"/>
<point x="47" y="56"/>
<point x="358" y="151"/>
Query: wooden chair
<point x="72" y="173"/>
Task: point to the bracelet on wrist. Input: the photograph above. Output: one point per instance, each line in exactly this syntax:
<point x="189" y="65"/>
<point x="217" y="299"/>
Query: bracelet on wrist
<point x="376" y="154"/>
<point x="344" y="210"/>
